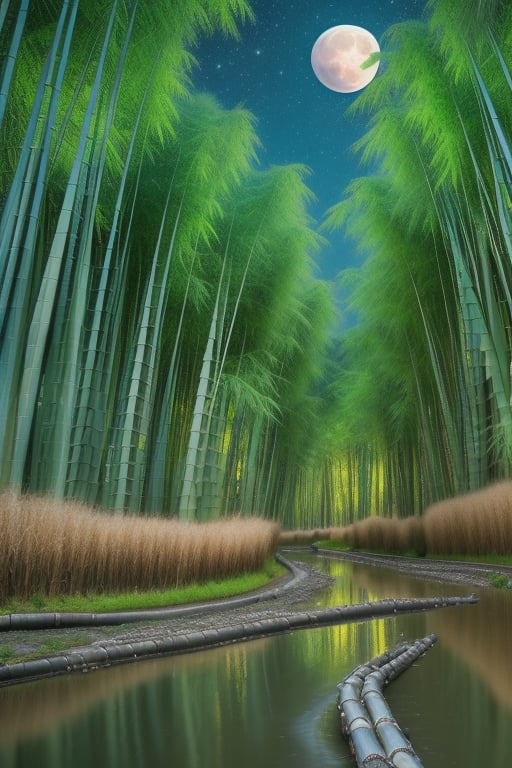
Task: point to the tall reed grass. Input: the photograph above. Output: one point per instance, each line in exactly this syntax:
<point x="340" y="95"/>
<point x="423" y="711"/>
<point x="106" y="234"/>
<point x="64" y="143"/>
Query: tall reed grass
<point x="303" y="537"/>
<point x="53" y="547"/>
<point x="477" y="523"/>
<point x="382" y="534"/>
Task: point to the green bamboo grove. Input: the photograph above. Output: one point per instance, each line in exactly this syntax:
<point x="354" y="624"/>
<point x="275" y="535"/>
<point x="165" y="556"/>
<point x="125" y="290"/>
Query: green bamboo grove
<point x="425" y="404"/>
<point x="160" y="320"/>
<point x="166" y="346"/>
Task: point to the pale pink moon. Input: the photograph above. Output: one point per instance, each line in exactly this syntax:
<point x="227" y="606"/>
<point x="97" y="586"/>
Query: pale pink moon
<point x="337" y="56"/>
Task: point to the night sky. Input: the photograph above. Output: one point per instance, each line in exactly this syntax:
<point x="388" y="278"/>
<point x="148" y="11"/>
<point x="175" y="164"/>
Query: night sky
<point x="299" y="120"/>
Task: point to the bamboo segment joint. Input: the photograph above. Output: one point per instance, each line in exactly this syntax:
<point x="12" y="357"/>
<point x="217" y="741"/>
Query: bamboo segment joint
<point x="375" y="737"/>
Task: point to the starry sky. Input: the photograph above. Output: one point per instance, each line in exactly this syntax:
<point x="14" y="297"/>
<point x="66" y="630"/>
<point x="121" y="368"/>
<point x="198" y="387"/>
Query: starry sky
<point x="268" y="71"/>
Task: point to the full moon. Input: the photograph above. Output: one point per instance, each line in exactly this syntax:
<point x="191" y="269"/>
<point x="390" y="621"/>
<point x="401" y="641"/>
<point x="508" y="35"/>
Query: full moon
<point x="337" y="57"/>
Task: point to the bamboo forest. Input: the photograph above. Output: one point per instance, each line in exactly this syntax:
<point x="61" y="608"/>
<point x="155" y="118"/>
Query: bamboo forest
<point x="167" y="346"/>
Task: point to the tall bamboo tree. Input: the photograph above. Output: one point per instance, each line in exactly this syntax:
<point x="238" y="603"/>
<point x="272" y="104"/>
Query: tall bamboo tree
<point x="434" y="134"/>
<point x="71" y="181"/>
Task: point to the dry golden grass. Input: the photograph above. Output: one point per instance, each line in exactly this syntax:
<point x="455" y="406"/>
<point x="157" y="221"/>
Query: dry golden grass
<point x="304" y="537"/>
<point x="478" y="523"/>
<point x="411" y="535"/>
<point x="374" y="533"/>
<point x="52" y="547"/>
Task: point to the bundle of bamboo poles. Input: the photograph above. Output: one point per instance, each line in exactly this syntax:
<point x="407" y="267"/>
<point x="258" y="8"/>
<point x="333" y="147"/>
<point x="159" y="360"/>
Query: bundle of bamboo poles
<point x="366" y="720"/>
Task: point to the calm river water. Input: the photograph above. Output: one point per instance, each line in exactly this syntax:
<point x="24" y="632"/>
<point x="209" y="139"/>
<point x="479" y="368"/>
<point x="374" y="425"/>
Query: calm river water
<point x="272" y="702"/>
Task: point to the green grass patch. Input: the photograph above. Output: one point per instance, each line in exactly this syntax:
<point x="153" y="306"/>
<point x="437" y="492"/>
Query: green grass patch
<point x="11" y="655"/>
<point x="6" y="654"/>
<point x="131" y="601"/>
<point x="54" y="645"/>
<point x="500" y="581"/>
<point x="340" y="546"/>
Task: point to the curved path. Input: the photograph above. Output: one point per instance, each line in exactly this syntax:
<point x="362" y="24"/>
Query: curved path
<point x="178" y="630"/>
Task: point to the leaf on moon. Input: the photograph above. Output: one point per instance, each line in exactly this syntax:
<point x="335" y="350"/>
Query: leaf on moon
<point x="373" y="58"/>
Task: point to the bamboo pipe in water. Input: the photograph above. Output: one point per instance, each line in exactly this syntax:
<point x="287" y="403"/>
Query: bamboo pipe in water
<point x="366" y="719"/>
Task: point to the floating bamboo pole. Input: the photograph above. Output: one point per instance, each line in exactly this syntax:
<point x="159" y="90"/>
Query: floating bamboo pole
<point x="366" y="719"/>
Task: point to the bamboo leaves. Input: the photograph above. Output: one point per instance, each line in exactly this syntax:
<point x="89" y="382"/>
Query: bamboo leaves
<point x="434" y="298"/>
<point x="138" y="246"/>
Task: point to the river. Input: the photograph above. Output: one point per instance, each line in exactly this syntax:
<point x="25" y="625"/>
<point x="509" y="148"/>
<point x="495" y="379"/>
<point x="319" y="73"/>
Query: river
<point x="272" y="702"/>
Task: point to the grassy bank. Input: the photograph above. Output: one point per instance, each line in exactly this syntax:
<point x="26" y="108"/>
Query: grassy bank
<point x="52" y="548"/>
<point x="132" y="601"/>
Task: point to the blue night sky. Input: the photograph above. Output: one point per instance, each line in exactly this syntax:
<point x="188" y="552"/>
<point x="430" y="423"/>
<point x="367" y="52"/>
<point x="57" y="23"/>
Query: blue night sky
<point x="268" y="71"/>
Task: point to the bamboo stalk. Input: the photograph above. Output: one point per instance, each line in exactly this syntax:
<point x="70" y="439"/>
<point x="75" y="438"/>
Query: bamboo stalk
<point x="13" y="49"/>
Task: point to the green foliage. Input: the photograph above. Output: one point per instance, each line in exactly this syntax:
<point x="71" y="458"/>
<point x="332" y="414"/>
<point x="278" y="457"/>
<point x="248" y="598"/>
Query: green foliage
<point x="372" y="59"/>
<point x="164" y="341"/>
<point x="340" y="546"/>
<point x="423" y="397"/>
<point x="500" y="581"/>
<point x="138" y="246"/>
<point x="7" y="653"/>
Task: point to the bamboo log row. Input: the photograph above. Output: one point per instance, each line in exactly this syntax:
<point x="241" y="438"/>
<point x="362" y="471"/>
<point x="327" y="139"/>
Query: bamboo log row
<point x="333" y="615"/>
<point x="336" y="615"/>
<point x="366" y="719"/>
<point x="224" y="629"/>
<point x="110" y="653"/>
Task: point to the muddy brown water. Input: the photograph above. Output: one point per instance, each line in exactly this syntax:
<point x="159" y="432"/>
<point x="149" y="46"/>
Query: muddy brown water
<point x="272" y="701"/>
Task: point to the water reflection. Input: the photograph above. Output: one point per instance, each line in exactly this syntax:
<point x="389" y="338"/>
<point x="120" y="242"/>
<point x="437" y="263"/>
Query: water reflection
<point x="481" y="639"/>
<point x="457" y="703"/>
<point x="272" y="701"/>
<point x="241" y="705"/>
<point x="452" y="716"/>
<point x="484" y="645"/>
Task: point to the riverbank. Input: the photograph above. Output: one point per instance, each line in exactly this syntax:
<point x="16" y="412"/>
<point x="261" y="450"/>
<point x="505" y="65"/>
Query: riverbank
<point x="296" y="587"/>
<point x="453" y="571"/>
<point x="276" y="608"/>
